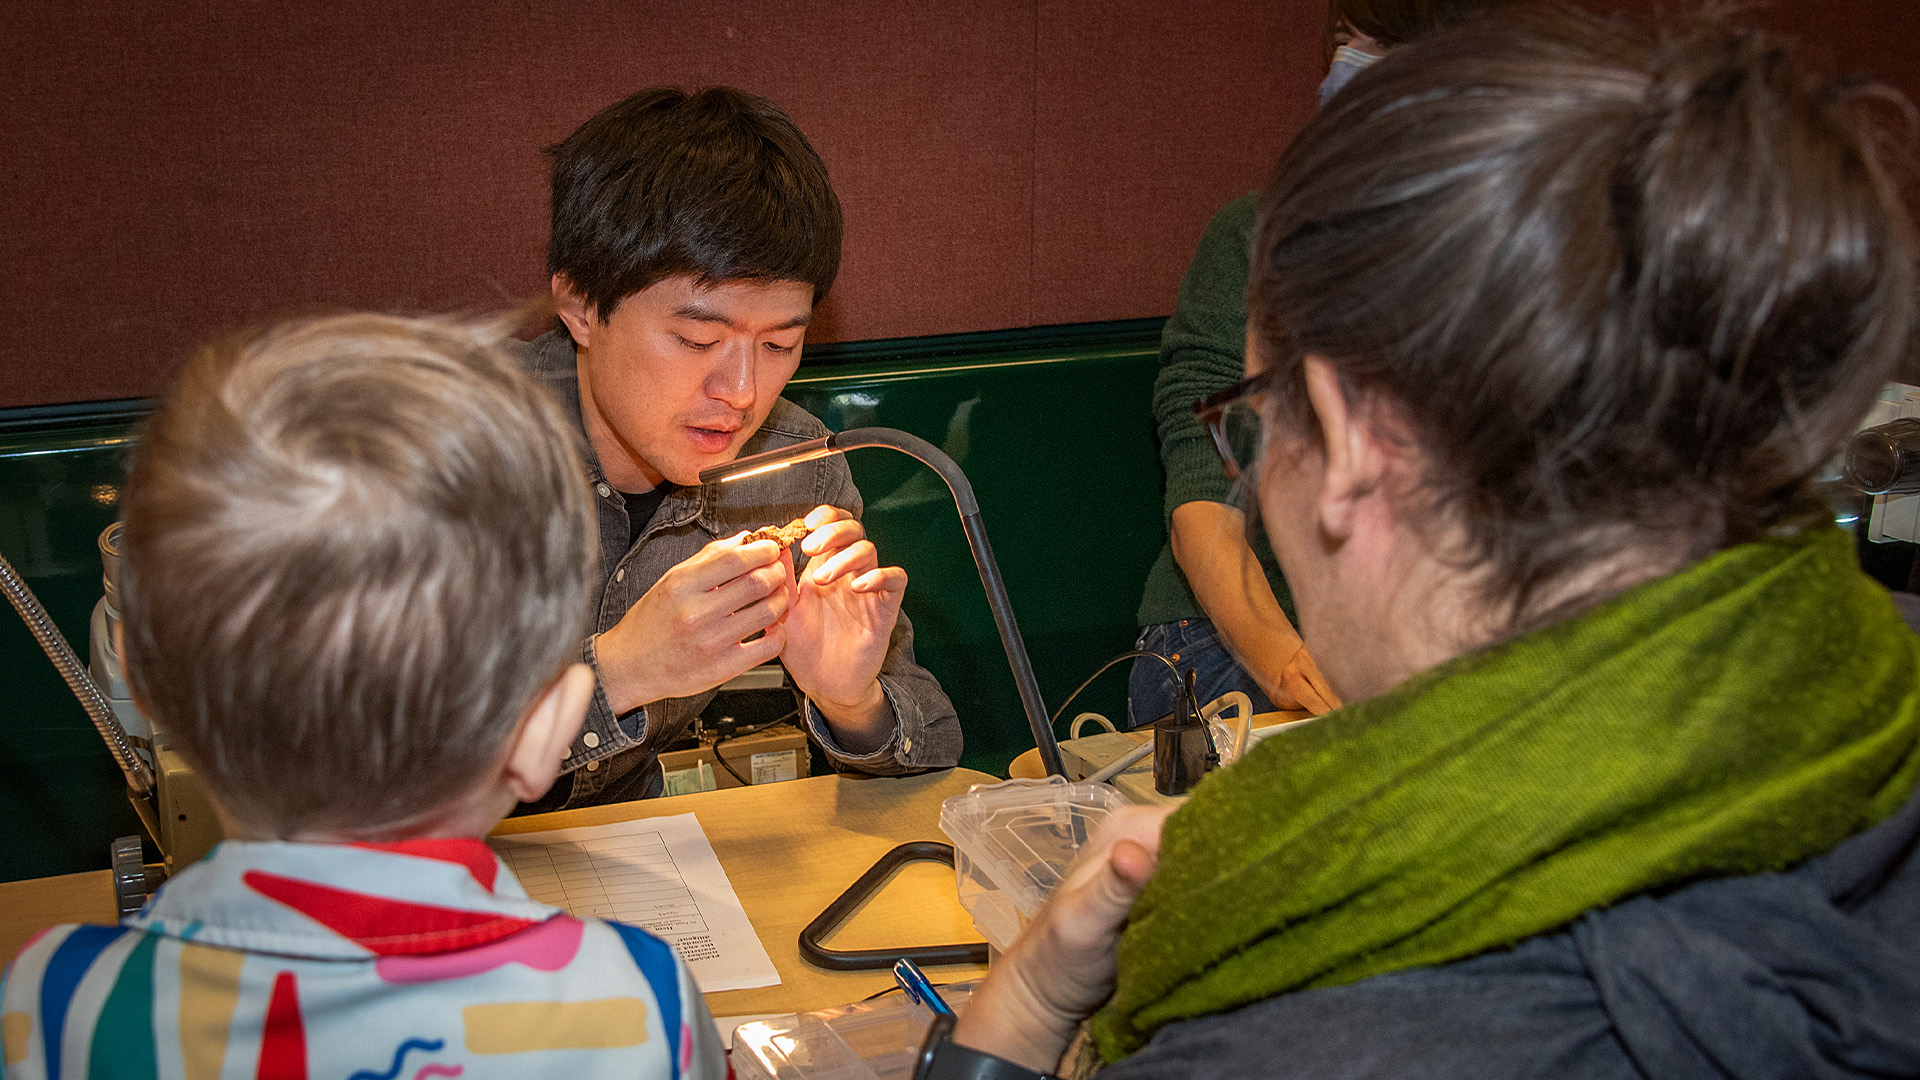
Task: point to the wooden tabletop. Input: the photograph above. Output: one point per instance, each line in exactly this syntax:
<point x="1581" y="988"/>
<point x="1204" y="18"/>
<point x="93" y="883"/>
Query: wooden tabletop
<point x="788" y="848"/>
<point x="28" y="907"/>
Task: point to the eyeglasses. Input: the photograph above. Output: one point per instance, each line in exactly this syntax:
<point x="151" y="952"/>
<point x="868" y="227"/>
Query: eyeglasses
<point x="1234" y="423"/>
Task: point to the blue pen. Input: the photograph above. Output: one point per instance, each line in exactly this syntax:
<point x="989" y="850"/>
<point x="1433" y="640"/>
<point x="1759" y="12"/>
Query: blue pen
<point x="910" y="978"/>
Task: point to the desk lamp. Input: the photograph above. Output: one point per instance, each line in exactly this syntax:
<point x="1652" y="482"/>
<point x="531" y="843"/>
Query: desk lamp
<point x="996" y="589"/>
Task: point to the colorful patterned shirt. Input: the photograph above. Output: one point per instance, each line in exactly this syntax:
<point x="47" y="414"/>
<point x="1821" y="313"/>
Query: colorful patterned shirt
<point x="400" y="961"/>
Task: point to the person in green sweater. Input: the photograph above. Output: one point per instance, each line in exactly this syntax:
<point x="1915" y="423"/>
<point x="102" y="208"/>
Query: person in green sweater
<point x="1215" y="602"/>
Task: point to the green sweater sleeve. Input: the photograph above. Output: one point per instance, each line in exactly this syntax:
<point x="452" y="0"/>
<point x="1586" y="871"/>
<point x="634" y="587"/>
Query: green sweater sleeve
<point x="1201" y="351"/>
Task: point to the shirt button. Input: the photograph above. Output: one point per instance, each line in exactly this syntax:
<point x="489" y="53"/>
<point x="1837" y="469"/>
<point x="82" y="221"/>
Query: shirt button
<point x="620" y="574"/>
<point x="592" y="740"/>
<point x="906" y="745"/>
<point x="593" y="766"/>
<point x="605" y="491"/>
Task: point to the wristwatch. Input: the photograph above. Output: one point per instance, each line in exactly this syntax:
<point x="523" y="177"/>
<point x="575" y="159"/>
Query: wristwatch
<point x="943" y="1059"/>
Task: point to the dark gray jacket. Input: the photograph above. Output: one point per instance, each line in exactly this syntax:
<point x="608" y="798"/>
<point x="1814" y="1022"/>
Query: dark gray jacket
<point x="1810" y="973"/>
<point x="617" y="757"/>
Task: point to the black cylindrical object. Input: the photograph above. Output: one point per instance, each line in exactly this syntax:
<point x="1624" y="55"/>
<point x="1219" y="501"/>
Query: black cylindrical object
<point x="1181" y="745"/>
<point x="1885" y="460"/>
<point x="1179" y="755"/>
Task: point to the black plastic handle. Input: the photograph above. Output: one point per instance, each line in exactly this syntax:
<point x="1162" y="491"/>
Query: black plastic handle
<point x="866" y="885"/>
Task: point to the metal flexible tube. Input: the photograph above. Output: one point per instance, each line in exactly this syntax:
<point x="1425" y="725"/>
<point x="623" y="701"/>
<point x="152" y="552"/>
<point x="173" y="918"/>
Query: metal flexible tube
<point x="54" y="644"/>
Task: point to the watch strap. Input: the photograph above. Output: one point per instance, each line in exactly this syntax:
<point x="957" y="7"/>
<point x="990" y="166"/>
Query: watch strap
<point x="951" y="1061"/>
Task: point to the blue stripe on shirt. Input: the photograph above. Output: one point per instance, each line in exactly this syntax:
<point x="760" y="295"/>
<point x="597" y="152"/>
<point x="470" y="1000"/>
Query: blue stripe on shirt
<point x="656" y="961"/>
<point x="65" y="968"/>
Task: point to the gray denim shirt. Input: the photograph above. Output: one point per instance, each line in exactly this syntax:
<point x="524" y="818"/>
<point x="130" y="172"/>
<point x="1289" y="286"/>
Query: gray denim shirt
<point x="617" y="757"/>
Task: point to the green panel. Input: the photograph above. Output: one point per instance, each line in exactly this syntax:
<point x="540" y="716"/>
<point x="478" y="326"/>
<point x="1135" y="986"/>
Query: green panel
<point x="1051" y="425"/>
<point x="1060" y="450"/>
<point x="62" y="800"/>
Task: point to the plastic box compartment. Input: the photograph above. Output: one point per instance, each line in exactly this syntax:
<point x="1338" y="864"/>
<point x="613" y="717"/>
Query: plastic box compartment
<point x="1014" y="841"/>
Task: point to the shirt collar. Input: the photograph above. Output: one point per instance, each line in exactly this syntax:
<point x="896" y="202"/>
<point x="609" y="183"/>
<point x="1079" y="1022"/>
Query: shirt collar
<point x="554" y="363"/>
<point x="344" y="901"/>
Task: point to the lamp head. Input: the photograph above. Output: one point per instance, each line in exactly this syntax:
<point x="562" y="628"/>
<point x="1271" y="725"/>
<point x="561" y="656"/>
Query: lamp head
<point x="769" y="461"/>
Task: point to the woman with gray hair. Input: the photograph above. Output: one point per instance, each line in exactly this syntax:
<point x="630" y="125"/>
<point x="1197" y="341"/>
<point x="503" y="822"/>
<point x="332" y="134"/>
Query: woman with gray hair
<point x="1552" y="323"/>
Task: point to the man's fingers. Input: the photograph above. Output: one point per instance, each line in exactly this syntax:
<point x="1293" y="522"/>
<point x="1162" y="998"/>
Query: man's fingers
<point x="836" y="533"/>
<point x="1303" y="694"/>
<point x="764" y="649"/>
<point x="744" y="656"/>
<point x="823" y="514"/>
<point x="852" y="559"/>
<point x="791" y="586"/>
<point x="775" y="607"/>
<point x="720" y="562"/>
<point x="1314" y="682"/>
<point x="885" y="579"/>
<point x="735" y="595"/>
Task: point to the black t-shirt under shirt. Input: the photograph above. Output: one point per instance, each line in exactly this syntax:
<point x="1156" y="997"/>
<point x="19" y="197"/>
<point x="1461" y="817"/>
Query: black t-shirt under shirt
<point x="640" y="508"/>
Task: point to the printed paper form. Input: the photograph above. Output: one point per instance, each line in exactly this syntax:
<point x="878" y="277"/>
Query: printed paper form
<point x="659" y="873"/>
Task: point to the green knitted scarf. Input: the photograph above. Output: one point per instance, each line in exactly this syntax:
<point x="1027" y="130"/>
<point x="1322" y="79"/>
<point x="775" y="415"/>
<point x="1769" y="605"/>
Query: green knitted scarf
<point x="1737" y="717"/>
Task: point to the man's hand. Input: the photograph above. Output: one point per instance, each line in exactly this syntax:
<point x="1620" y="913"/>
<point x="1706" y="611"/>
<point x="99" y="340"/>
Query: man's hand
<point x="1062" y="967"/>
<point x="837" y="632"/>
<point x="689" y="633"/>
<point x="1301" y="686"/>
<point x="1210" y="544"/>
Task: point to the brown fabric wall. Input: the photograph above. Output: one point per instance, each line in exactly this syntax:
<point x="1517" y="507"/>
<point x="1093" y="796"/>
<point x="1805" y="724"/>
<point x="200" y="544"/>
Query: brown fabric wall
<point x="174" y="169"/>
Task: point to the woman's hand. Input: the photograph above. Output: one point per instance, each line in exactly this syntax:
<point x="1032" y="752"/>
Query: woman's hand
<point x="1062" y="967"/>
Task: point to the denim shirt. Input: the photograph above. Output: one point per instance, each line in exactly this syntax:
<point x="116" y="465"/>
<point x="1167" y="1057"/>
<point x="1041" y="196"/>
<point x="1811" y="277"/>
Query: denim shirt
<point x="617" y="757"/>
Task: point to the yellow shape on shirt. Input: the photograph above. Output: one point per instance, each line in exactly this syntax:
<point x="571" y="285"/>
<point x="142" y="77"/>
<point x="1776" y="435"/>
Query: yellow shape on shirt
<point x="16" y="1029"/>
<point x="209" y="992"/>
<point x="513" y="1027"/>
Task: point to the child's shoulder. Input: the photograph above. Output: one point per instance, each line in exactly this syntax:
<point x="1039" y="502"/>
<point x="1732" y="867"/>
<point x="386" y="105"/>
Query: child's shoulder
<point x="59" y="981"/>
<point x="65" y="954"/>
<point x="558" y="986"/>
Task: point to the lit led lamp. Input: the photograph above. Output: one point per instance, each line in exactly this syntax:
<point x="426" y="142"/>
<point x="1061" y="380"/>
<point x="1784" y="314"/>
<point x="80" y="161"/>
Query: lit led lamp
<point x="969" y="509"/>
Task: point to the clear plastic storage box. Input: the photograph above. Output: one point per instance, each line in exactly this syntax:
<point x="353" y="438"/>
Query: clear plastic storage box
<point x="868" y="1040"/>
<point x="1013" y="842"/>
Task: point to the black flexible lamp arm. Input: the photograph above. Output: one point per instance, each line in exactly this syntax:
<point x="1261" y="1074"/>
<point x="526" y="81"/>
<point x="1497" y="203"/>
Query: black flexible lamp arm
<point x="996" y="589"/>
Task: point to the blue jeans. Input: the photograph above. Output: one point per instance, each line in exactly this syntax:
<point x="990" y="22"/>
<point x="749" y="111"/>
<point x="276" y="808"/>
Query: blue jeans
<point x="1192" y="645"/>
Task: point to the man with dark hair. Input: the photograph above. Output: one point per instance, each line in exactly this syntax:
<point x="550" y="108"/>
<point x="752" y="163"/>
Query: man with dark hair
<point x="692" y="236"/>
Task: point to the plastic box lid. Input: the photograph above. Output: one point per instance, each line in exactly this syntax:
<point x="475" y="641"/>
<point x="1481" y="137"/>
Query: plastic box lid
<point x="1013" y="842"/>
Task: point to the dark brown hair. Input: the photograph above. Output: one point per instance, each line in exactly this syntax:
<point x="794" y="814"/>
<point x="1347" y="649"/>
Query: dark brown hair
<point x="357" y="549"/>
<point x="718" y="184"/>
<point x="1622" y="289"/>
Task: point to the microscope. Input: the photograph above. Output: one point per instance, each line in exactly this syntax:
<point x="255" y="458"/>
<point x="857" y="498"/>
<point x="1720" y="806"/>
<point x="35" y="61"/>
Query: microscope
<point x="172" y="804"/>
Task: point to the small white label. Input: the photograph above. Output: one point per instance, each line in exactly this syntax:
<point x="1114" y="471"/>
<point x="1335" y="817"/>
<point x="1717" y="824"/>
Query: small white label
<point x="776" y="765"/>
<point x="697" y="777"/>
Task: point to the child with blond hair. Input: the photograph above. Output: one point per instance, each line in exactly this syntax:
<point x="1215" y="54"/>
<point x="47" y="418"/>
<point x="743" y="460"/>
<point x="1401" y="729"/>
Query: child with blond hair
<point x="357" y="559"/>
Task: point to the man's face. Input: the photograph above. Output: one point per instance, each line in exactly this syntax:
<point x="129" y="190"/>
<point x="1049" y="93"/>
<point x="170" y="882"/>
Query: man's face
<point x="683" y="374"/>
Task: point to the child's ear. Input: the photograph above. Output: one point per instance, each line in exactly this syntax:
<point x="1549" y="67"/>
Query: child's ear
<point x="549" y="728"/>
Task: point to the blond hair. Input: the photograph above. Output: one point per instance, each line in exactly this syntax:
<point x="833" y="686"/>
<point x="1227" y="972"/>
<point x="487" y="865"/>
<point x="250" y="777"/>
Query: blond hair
<point x="358" y="548"/>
